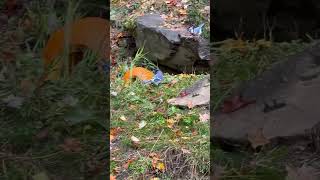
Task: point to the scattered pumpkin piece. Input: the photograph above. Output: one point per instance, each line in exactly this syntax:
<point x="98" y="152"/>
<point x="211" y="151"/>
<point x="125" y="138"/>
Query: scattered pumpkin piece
<point x="112" y="177"/>
<point x="81" y="34"/>
<point x="138" y="72"/>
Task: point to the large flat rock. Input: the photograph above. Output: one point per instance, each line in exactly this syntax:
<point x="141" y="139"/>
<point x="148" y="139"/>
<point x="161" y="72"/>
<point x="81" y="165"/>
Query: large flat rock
<point x="294" y="82"/>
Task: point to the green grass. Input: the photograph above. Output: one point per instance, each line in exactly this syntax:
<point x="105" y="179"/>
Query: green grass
<point x="267" y="164"/>
<point x="139" y="102"/>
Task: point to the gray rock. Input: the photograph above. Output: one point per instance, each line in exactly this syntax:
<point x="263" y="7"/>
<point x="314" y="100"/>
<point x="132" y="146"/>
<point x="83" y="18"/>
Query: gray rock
<point x="297" y="100"/>
<point x="196" y="95"/>
<point x="173" y="48"/>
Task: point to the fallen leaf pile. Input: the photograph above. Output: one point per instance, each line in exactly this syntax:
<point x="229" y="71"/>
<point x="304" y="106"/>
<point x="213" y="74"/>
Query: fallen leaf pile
<point x="157" y="164"/>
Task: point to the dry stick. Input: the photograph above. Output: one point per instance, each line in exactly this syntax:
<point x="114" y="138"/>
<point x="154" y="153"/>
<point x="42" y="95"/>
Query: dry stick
<point x="157" y="140"/>
<point x="9" y="156"/>
<point x="4" y="167"/>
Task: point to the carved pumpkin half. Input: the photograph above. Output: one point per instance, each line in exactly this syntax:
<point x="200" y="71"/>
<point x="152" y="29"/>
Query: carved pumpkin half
<point x="138" y="72"/>
<point x="88" y="32"/>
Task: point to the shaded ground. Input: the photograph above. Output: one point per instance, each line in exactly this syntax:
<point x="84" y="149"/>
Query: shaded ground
<point x="56" y="130"/>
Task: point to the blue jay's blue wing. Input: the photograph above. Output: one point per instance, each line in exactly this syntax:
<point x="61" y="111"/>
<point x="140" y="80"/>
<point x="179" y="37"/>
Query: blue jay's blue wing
<point x="158" y="77"/>
<point x="197" y="30"/>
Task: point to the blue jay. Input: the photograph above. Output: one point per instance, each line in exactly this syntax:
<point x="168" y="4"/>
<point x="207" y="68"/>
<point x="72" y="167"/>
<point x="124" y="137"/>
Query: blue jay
<point x="157" y="78"/>
<point x="196" y="30"/>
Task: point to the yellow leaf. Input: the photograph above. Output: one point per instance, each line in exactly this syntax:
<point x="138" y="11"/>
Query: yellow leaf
<point x="183" y="12"/>
<point x="170" y="123"/>
<point x="161" y="166"/>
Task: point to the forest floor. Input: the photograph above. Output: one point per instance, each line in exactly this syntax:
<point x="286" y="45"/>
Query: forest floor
<point x="154" y="140"/>
<point x="151" y="139"/>
<point x="58" y="130"/>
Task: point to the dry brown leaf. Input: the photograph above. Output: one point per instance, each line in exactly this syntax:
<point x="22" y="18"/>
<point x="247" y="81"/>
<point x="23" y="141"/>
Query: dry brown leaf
<point x="120" y="35"/>
<point x="126" y="165"/>
<point x="114" y="132"/>
<point x="153" y="154"/>
<point x="135" y="140"/>
<point x="194" y="132"/>
<point x="257" y="138"/>
<point x="178" y="133"/>
<point x="155" y="160"/>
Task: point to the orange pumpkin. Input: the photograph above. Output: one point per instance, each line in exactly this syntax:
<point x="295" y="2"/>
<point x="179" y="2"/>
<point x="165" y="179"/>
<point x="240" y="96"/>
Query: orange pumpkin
<point x="88" y="32"/>
<point x="138" y="72"/>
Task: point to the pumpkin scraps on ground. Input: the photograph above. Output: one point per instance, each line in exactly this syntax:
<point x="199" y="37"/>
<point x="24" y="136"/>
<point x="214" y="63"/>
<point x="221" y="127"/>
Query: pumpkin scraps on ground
<point x="144" y="75"/>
